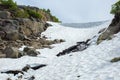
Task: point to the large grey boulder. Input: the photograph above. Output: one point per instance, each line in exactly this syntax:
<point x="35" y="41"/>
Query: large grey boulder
<point x="5" y="14"/>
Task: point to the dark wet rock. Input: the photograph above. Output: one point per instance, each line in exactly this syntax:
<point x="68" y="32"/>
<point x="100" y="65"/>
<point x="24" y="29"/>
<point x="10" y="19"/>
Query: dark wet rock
<point x="26" y="68"/>
<point x="78" y="76"/>
<point x="44" y="37"/>
<point x="47" y="24"/>
<point x="116" y="59"/>
<point x="38" y="66"/>
<point x="80" y="46"/>
<point x="9" y="79"/>
<point x="15" y="72"/>
<point x="31" y="78"/>
<point x="34" y="67"/>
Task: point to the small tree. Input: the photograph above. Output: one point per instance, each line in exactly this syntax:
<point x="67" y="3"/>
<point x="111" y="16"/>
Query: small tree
<point x="48" y="10"/>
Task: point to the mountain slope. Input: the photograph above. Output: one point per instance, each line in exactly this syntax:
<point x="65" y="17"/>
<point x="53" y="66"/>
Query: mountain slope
<point x="90" y="64"/>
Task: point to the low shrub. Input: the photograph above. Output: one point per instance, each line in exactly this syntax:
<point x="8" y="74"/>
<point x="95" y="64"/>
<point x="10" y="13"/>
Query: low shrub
<point x="115" y="8"/>
<point x="34" y="14"/>
<point x="21" y="14"/>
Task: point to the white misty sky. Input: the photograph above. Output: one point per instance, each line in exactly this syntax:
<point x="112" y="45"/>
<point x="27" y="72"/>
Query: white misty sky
<point x="75" y="10"/>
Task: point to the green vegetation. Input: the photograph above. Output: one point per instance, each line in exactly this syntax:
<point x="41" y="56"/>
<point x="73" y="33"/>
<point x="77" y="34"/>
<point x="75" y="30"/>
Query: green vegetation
<point x="34" y="14"/>
<point x="115" y="8"/>
<point x="27" y="11"/>
<point x="10" y="4"/>
<point x="55" y="19"/>
<point x="21" y="14"/>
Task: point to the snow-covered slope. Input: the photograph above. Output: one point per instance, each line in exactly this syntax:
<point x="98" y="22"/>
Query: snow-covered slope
<point x="90" y="64"/>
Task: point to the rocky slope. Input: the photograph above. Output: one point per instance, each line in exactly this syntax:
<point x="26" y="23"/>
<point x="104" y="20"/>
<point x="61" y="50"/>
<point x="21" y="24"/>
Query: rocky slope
<point x="114" y="27"/>
<point x="23" y="27"/>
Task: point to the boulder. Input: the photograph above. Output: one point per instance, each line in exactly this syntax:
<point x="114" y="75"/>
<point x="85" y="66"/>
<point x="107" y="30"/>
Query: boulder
<point x="30" y="51"/>
<point x="11" y="52"/>
<point x="12" y="35"/>
<point x="80" y="46"/>
<point x="5" y="14"/>
<point x="8" y="25"/>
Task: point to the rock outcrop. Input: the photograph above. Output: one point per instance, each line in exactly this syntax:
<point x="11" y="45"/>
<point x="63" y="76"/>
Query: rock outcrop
<point x="23" y="26"/>
<point x="30" y="51"/>
<point x="113" y="28"/>
<point x="80" y="46"/>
